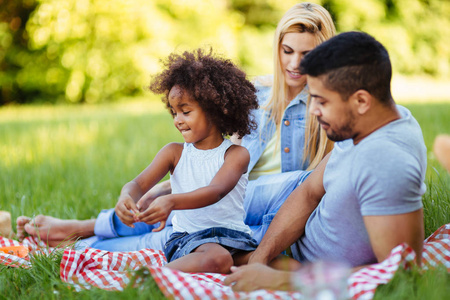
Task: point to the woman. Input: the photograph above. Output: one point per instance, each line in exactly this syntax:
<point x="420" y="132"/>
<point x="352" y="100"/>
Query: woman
<point x="286" y="141"/>
<point x="285" y="144"/>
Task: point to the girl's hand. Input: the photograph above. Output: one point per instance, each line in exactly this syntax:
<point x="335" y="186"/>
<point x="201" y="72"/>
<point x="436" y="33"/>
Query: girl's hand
<point x="126" y="210"/>
<point x="145" y="201"/>
<point x="158" y="211"/>
<point x="162" y="188"/>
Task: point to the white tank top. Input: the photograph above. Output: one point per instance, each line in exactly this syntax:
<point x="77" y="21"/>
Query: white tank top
<point x="195" y="169"/>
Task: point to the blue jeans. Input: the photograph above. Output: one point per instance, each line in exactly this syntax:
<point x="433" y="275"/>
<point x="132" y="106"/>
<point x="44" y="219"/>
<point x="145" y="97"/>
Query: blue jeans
<point x="183" y="243"/>
<point x="263" y="197"/>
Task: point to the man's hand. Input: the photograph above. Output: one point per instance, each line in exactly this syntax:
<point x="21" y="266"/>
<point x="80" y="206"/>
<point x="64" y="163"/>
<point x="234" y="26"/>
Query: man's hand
<point x="257" y="276"/>
<point x="126" y="210"/>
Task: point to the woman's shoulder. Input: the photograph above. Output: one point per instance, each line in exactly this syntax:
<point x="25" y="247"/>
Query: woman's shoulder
<point x="263" y="81"/>
<point x="263" y="85"/>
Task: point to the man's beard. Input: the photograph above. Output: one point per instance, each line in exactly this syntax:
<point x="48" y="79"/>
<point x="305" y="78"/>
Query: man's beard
<point x="344" y="132"/>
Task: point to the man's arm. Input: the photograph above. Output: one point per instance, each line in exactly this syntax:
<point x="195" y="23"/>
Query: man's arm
<point x="388" y="231"/>
<point x="289" y="222"/>
<point x="385" y="233"/>
<point x="287" y="226"/>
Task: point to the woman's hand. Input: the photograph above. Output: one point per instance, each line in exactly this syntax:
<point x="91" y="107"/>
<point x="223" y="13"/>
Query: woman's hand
<point x="158" y="211"/>
<point x="126" y="210"/>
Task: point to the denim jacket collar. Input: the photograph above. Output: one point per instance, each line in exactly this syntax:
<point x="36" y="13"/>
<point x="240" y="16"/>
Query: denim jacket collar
<point x="301" y="97"/>
<point x="292" y="135"/>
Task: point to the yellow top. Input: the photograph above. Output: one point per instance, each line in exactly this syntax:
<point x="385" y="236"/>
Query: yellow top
<point x="270" y="160"/>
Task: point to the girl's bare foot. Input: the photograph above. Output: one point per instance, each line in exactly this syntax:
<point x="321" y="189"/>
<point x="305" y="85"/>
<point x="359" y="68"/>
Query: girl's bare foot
<point x="5" y="224"/>
<point x="53" y="231"/>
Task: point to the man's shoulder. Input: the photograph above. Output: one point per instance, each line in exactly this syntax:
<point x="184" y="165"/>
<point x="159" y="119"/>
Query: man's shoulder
<point x="382" y="154"/>
<point x="402" y="135"/>
<point x="391" y="159"/>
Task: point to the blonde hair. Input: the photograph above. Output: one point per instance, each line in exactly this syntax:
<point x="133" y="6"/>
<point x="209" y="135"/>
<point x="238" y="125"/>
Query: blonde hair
<point x="302" y="17"/>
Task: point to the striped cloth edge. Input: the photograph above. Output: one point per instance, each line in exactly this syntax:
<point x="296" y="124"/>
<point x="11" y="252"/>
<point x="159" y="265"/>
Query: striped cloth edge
<point x="111" y="270"/>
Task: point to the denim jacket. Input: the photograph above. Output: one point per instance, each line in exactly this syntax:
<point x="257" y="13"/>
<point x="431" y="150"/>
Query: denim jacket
<point x="292" y="131"/>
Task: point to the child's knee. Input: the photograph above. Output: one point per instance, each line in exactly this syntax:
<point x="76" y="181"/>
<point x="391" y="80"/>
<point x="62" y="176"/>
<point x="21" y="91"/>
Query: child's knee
<point x="218" y="262"/>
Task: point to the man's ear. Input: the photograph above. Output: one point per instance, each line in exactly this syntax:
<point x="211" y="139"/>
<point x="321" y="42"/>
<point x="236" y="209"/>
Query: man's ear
<point x="362" y="101"/>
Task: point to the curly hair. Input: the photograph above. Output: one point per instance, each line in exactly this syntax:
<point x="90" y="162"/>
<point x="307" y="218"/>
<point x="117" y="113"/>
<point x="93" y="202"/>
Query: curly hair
<point x="220" y="88"/>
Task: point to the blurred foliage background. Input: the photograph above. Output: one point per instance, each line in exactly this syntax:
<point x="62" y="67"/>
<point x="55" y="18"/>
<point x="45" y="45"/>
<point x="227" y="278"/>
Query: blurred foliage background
<point x="89" y="51"/>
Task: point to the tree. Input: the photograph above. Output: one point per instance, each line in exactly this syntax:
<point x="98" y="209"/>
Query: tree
<point x="97" y="50"/>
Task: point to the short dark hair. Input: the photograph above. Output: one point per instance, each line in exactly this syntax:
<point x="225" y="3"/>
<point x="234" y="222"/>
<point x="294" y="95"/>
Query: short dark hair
<point x="219" y="86"/>
<point x="349" y="62"/>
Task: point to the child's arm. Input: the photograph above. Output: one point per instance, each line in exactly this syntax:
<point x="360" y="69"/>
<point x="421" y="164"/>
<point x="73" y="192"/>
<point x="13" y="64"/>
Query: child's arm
<point x="235" y="164"/>
<point x="138" y="188"/>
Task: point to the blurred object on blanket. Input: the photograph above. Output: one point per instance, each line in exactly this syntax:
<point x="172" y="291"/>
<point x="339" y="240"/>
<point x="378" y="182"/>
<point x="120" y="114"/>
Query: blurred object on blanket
<point x="441" y="149"/>
<point x="322" y="280"/>
<point x="33" y="246"/>
<point x="20" y="251"/>
<point x="5" y="224"/>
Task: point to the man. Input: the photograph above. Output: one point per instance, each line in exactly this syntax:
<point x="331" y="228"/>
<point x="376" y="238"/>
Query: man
<point x="365" y="196"/>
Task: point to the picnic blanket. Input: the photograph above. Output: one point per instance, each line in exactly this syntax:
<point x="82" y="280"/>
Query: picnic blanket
<point x="111" y="270"/>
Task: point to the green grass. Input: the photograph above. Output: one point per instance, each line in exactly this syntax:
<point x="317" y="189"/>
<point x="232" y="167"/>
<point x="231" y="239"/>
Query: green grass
<point x="434" y="119"/>
<point x="42" y="281"/>
<point x="416" y="285"/>
<point x="71" y="161"/>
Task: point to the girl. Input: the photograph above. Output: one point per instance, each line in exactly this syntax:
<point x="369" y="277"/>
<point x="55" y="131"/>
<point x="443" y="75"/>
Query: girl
<point x="209" y="98"/>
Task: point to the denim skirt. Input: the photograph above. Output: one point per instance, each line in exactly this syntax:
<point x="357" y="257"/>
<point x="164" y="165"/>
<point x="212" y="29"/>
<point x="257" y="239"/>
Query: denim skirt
<point x="183" y="243"/>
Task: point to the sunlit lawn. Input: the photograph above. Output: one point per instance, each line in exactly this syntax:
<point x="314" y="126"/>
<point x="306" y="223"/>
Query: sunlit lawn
<point x="71" y="162"/>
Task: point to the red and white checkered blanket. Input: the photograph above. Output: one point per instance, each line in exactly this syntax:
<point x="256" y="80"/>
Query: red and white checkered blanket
<point x="111" y="270"/>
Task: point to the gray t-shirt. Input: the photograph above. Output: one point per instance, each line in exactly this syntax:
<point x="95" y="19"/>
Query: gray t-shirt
<point x="382" y="175"/>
